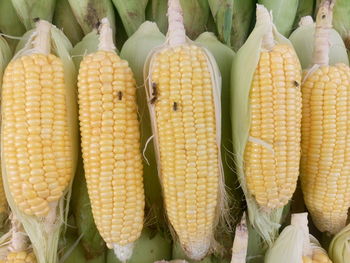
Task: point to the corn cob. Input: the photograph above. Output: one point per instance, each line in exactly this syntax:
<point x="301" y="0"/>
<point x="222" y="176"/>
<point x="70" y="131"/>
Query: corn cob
<point x="183" y="87"/>
<point x="266" y="145"/>
<point x="39" y="136"/>
<point x="303" y="41"/>
<point x="135" y="51"/>
<point x="325" y="161"/>
<point x="111" y="152"/>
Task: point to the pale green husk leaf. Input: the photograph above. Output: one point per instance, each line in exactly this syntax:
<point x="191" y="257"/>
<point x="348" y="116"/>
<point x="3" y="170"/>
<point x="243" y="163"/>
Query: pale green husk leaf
<point x="305" y="8"/>
<point x="5" y="56"/>
<point x="341" y="18"/>
<point x="283" y="13"/>
<point x="303" y="41"/>
<point x="10" y="23"/>
<point x="233" y="20"/>
<point x="243" y="68"/>
<point x="90" y="12"/>
<point x="65" y="20"/>
<point x="86" y="46"/>
<point x="135" y="51"/>
<point x="27" y="10"/>
<point x="155" y="12"/>
<point x="132" y="13"/>
<point x="288" y="247"/>
<point x="44" y="243"/>
<point x="339" y="249"/>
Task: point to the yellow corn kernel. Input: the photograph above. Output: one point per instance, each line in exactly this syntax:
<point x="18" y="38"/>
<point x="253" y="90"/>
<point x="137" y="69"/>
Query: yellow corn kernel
<point x="325" y="162"/>
<point x="186" y="132"/>
<point x="272" y="153"/>
<point x="111" y="146"/>
<point x="35" y="132"/>
<point x="20" y="257"/>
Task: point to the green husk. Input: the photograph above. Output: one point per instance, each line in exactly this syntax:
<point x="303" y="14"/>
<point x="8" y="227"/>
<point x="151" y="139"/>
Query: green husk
<point x="27" y="10"/>
<point x="10" y="23"/>
<point x="132" y="13"/>
<point x="196" y="15"/>
<point x="156" y="10"/>
<point x="150" y="247"/>
<point x="65" y="20"/>
<point x="305" y="8"/>
<point x="45" y="235"/>
<point x="233" y="20"/>
<point x="224" y="56"/>
<point x="283" y="13"/>
<point x="91" y="241"/>
<point x="5" y="57"/>
<point x="86" y="46"/>
<point x="339" y="249"/>
<point x="135" y="51"/>
<point x="303" y="41"/>
<point x="245" y="62"/>
<point x="341" y="20"/>
<point x="89" y="13"/>
<point x="256" y="247"/>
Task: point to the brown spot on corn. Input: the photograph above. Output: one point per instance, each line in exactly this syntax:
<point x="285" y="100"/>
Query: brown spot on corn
<point x="272" y="153"/>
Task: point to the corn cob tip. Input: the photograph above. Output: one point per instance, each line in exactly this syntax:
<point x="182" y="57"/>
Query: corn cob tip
<point x="42" y="42"/>
<point x="263" y="16"/>
<point x="106" y="36"/>
<point x="176" y="30"/>
<point x="123" y="253"/>
<point x="323" y="27"/>
<point x="306" y="20"/>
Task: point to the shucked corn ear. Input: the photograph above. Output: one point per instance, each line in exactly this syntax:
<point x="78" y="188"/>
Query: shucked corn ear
<point x="266" y="116"/>
<point x="135" y="51"/>
<point x="111" y="144"/>
<point x="39" y="135"/>
<point x="183" y="90"/>
<point x="339" y="248"/>
<point x="325" y="127"/>
<point x="295" y="244"/>
<point x="303" y="41"/>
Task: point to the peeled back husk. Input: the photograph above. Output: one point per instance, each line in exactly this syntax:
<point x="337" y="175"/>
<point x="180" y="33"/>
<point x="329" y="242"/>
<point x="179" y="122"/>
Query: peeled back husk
<point x="303" y="41"/>
<point x="45" y="235"/>
<point x="339" y="249"/>
<point x="28" y="10"/>
<point x="86" y="46"/>
<point x="283" y="13"/>
<point x="155" y="12"/>
<point x="233" y="20"/>
<point x="5" y="56"/>
<point x="89" y="13"/>
<point x="305" y="8"/>
<point x="135" y="51"/>
<point x="65" y="20"/>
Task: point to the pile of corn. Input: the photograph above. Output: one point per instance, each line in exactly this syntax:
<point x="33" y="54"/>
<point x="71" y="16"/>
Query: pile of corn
<point x="147" y="131"/>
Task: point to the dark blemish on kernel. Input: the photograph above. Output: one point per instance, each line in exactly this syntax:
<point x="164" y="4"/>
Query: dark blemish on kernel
<point x="175" y="106"/>
<point x="120" y="95"/>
